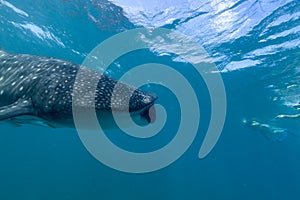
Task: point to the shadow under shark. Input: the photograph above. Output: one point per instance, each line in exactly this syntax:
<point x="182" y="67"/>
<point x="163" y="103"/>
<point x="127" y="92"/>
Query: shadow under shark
<point x="40" y="91"/>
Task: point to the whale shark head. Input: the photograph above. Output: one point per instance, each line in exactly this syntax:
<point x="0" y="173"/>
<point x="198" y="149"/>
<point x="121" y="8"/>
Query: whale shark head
<point x="142" y="104"/>
<point x="113" y="96"/>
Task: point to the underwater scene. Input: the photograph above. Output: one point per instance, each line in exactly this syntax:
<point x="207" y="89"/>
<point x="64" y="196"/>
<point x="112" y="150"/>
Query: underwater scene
<point x="215" y="116"/>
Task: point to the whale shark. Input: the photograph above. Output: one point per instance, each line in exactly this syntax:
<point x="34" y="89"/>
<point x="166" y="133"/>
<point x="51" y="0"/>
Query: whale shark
<point x="40" y="90"/>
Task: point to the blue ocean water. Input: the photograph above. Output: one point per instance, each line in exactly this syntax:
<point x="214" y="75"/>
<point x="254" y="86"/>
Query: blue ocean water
<point x="255" y="45"/>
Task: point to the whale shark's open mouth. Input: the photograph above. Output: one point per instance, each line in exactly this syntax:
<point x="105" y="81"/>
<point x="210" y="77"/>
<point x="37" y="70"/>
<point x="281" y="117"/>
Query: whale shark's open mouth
<point x="142" y="104"/>
<point x="149" y="113"/>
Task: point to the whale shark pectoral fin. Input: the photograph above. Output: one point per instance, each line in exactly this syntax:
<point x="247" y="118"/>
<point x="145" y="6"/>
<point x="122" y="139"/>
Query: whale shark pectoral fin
<point x="31" y="120"/>
<point x="18" y="108"/>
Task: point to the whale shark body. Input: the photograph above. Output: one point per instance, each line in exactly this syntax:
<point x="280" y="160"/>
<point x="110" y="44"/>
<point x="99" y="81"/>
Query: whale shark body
<point x="41" y="89"/>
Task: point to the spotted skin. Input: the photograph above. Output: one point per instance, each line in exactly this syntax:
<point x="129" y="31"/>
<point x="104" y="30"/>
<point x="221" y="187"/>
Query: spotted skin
<point x="44" y="87"/>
